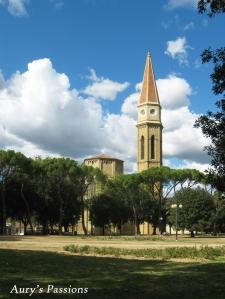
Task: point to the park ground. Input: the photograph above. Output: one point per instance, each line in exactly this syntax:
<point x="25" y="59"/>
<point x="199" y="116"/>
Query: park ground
<point x="30" y="260"/>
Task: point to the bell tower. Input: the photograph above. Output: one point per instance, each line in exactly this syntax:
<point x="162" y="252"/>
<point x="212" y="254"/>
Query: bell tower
<point x="149" y="126"/>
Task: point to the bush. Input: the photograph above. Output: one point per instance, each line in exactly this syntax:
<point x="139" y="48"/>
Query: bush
<point x="204" y="252"/>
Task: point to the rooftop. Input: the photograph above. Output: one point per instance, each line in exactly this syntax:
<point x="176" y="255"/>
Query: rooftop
<point x="102" y="157"/>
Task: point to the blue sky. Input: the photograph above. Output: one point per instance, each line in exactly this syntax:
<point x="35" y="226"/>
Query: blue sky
<point x="110" y="37"/>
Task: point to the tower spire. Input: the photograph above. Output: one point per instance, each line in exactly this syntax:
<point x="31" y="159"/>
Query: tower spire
<point x="149" y="91"/>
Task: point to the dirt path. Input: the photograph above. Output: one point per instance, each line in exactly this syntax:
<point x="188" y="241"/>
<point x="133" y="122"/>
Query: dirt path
<point x="56" y="243"/>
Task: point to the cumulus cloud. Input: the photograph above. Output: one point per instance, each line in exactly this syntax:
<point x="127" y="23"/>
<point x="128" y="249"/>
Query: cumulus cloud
<point x="42" y="115"/>
<point x="38" y="106"/>
<point x="174" y="92"/>
<point x="16" y="8"/>
<point x="172" y="4"/>
<point x="180" y="139"/>
<point x="177" y="49"/>
<point x="129" y="106"/>
<point x="103" y="88"/>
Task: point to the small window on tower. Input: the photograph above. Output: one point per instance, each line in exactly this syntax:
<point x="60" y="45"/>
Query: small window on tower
<point x="153" y="147"/>
<point x="142" y="147"/>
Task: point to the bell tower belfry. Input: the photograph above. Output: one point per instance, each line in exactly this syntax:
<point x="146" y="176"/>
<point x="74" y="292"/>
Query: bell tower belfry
<point x="149" y="126"/>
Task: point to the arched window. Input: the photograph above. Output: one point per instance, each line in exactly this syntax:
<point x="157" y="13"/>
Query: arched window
<point x="142" y="147"/>
<point x="153" y="147"/>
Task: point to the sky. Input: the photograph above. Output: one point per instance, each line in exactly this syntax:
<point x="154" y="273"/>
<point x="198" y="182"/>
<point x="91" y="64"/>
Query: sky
<point x="71" y="73"/>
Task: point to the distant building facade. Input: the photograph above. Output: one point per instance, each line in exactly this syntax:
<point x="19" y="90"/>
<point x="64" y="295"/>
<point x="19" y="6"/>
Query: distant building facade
<point x="108" y="165"/>
<point x="111" y="167"/>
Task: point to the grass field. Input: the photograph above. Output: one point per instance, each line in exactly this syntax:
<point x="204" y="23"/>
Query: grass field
<point x="107" y="277"/>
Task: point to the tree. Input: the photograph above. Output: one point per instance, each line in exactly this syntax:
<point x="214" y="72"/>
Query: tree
<point x="219" y="217"/>
<point x="197" y="212"/>
<point x="102" y="209"/>
<point x="20" y="193"/>
<point x="161" y="182"/>
<point x="87" y="176"/>
<point x="131" y="191"/>
<point x="58" y="189"/>
<point x="211" y="6"/>
<point x="213" y="123"/>
<point x="10" y="163"/>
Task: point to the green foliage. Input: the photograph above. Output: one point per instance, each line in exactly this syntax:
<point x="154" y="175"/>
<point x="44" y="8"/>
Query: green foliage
<point x="219" y="217"/>
<point x="111" y="278"/>
<point x="203" y="252"/>
<point x="106" y="210"/>
<point x="211" y="6"/>
<point x="54" y="192"/>
<point x="213" y="123"/>
<point x="57" y="188"/>
<point x="197" y="210"/>
<point x="49" y="191"/>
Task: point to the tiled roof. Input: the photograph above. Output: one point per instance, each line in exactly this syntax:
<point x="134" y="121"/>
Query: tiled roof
<point x="149" y="90"/>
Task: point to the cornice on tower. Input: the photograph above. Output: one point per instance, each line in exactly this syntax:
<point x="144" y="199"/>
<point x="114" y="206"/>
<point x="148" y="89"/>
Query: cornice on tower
<point x="149" y="93"/>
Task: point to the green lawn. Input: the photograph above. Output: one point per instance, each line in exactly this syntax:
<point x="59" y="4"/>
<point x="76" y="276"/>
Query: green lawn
<point x="110" y="277"/>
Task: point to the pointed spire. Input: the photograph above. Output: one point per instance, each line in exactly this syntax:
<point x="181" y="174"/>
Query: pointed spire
<point x="149" y="90"/>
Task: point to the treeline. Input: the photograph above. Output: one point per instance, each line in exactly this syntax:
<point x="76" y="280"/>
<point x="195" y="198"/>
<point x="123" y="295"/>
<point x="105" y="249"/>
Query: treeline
<point x="54" y="193"/>
<point x="152" y="195"/>
<point x="49" y="191"/>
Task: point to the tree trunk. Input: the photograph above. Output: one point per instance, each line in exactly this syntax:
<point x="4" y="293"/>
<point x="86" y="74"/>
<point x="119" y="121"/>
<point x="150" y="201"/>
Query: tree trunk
<point x="154" y="231"/>
<point x="192" y="234"/>
<point x="138" y="227"/>
<point x="51" y="229"/>
<point x="44" y="229"/>
<point x="60" y="212"/>
<point x="66" y="228"/>
<point x="82" y="216"/>
<point x="27" y="208"/>
<point x="136" y="224"/>
<point x="25" y="222"/>
<point x="3" y="222"/>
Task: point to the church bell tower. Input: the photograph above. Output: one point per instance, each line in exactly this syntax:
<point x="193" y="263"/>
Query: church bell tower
<point x="149" y="126"/>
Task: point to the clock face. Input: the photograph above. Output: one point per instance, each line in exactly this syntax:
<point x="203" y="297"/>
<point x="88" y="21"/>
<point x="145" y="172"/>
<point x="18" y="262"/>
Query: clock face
<point x="153" y="111"/>
<point x="142" y="112"/>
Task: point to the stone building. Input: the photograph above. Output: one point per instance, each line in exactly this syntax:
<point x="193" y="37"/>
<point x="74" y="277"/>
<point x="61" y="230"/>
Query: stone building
<point x="149" y="125"/>
<point x="149" y="128"/>
<point x="109" y="166"/>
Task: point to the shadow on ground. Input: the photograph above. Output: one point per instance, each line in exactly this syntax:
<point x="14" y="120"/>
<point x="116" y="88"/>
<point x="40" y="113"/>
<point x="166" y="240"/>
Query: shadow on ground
<point x="110" y="277"/>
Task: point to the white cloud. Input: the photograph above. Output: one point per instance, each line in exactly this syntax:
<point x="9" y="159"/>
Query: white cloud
<point x="119" y="130"/>
<point x="38" y="106"/>
<point x="129" y="106"/>
<point x="15" y="7"/>
<point x="172" y="4"/>
<point x="103" y="88"/>
<point x="189" y="26"/>
<point x="174" y="92"/>
<point x="194" y="165"/>
<point x="180" y="139"/>
<point x="41" y="115"/>
<point x="177" y="49"/>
